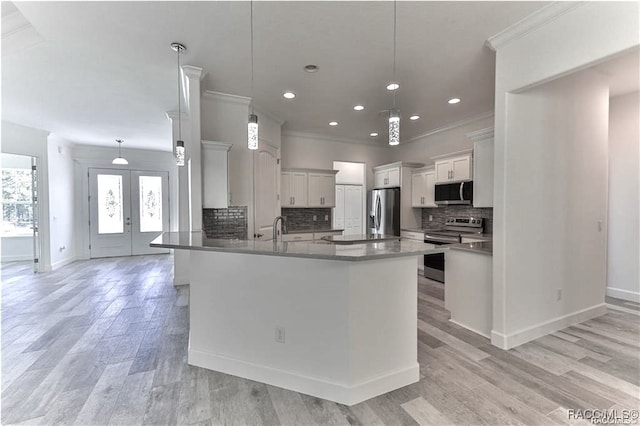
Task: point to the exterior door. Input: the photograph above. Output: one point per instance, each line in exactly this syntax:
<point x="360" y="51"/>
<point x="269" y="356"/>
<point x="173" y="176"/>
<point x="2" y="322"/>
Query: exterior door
<point x="266" y="177"/>
<point x="127" y="209"/>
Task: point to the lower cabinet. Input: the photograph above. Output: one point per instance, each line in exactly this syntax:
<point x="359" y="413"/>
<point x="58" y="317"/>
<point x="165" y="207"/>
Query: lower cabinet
<point x="315" y="237"/>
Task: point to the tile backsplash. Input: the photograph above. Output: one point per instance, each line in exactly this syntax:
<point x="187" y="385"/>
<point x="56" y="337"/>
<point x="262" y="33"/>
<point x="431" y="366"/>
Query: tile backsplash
<point x="225" y="223"/>
<point x="439" y="215"/>
<point x="299" y="219"/>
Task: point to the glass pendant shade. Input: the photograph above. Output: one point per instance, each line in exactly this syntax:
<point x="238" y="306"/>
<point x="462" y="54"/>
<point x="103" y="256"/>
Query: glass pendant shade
<point x="252" y="140"/>
<point x="394" y="127"/>
<point x="119" y="160"/>
<point x="180" y="153"/>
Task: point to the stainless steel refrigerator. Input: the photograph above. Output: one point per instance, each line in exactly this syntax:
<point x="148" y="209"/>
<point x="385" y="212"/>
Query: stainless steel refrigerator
<point x="384" y="211"/>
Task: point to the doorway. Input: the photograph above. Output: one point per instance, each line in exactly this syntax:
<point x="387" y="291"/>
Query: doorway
<point x="19" y="231"/>
<point x="127" y="210"/>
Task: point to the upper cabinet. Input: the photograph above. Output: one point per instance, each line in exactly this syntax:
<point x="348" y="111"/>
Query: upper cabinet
<point x="422" y="188"/>
<point x="482" y="167"/>
<point x="308" y="188"/>
<point x="293" y="189"/>
<point x="391" y="175"/>
<point x="454" y="167"/>
<point x="215" y="182"/>
<point x="322" y="189"/>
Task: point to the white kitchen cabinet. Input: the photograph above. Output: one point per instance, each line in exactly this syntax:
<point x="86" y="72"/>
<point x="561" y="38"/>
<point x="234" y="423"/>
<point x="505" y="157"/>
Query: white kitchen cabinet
<point x="215" y="180"/>
<point x="293" y="189"/>
<point x="422" y="188"/>
<point x="453" y="167"/>
<point x="322" y="187"/>
<point x="387" y="177"/>
<point x="482" y="167"/>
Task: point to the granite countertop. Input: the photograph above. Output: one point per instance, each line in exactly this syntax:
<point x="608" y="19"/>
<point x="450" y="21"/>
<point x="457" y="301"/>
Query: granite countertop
<point x="360" y="239"/>
<point x="350" y="252"/>
<point x="413" y="230"/>
<point x="310" y="231"/>
<point x="482" y="247"/>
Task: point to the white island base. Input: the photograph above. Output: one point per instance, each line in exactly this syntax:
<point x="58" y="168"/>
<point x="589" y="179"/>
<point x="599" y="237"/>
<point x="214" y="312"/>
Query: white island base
<point x="349" y="328"/>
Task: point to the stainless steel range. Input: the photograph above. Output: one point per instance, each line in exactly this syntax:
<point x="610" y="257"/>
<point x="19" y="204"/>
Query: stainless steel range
<point x="452" y="232"/>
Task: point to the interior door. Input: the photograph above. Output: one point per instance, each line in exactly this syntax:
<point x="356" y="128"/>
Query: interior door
<point x="353" y="210"/>
<point x="127" y="209"/>
<point x="266" y="177"/>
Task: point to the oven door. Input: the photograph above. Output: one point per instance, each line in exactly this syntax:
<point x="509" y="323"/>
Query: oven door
<point x="434" y="263"/>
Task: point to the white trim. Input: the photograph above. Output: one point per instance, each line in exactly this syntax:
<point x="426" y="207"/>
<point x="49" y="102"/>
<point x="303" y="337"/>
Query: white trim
<point x="470" y="329"/>
<point x="519" y="337"/>
<point x="271" y="116"/>
<point x="618" y="293"/>
<point x="18" y="258"/>
<point x="452" y="154"/>
<point x="530" y="23"/>
<point x="226" y="97"/>
<point x="451" y="126"/>
<point x="64" y="262"/>
<point x="621" y="309"/>
<point x="482" y="134"/>
<point x="321" y="388"/>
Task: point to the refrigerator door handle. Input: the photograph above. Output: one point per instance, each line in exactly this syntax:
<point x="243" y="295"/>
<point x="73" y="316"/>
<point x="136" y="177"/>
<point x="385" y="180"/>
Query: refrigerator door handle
<point x="378" y="213"/>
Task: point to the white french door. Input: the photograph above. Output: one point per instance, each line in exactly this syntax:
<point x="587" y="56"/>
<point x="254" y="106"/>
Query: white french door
<point x="127" y="210"/>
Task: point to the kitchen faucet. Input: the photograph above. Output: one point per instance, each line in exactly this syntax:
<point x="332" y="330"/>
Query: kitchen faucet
<point x="275" y="227"/>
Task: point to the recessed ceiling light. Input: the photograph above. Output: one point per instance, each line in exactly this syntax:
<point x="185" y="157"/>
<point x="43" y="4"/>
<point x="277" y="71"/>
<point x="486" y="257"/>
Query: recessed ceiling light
<point x="333" y="123"/>
<point x="358" y="107"/>
<point x="289" y="95"/>
<point x="454" y="100"/>
<point x="373" y="134"/>
<point x="393" y="86"/>
<point x="414" y="117"/>
<point x="311" y="68"/>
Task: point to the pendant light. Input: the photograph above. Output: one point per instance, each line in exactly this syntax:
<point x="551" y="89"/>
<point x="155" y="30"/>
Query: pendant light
<point x="394" y="113"/>
<point x="252" y="128"/>
<point x="119" y="159"/>
<point x="179" y="48"/>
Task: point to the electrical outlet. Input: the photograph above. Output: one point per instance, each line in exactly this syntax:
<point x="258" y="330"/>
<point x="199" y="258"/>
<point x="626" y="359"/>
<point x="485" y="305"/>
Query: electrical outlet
<point x="280" y="334"/>
<point x="315" y="217"/>
<point x="326" y="217"/>
<point x="430" y="218"/>
<point x="559" y="294"/>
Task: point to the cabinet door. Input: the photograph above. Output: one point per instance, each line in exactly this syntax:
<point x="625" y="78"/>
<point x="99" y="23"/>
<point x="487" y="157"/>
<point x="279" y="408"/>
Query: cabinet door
<point x="315" y="190"/>
<point x="443" y="171"/>
<point x="353" y="210"/>
<point x="299" y="189"/>
<point x="417" y="189"/>
<point x="380" y="179"/>
<point x="215" y="190"/>
<point x="394" y="177"/>
<point x="461" y="167"/>
<point x="338" y="212"/>
<point x="429" y="189"/>
<point x="328" y="190"/>
<point x="285" y="189"/>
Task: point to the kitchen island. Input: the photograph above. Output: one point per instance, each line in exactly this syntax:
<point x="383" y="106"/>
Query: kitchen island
<point x="333" y="321"/>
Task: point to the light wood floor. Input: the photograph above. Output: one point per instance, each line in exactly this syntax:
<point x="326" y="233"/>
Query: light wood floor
<point x="104" y="342"/>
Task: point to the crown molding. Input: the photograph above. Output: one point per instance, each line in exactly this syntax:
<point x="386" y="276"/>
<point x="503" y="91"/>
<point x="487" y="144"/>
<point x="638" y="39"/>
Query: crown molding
<point x="270" y="116"/>
<point x="454" y="125"/>
<point x="193" y="72"/>
<point x="316" y="136"/>
<point x="530" y="23"/>
<point x="480" y="135"/>
<point x="226" y="97"/>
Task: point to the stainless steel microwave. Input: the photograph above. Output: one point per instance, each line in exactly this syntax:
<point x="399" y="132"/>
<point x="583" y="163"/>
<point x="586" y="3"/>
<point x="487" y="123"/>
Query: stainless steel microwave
<point x="454" y="193"/>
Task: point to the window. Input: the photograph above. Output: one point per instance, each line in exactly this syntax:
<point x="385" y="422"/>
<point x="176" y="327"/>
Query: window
<point x="17" y="204"/>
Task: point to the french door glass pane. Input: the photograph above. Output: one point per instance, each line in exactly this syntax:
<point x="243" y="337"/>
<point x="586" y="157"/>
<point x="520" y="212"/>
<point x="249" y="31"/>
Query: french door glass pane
<point x="110" y="204"/>
<point x="150" y="203"/>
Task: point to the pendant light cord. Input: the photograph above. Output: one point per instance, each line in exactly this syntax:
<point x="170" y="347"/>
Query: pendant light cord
<point x="394" y="52"/>
<point x="251" y="56"/>
<point x="179" y="108"/>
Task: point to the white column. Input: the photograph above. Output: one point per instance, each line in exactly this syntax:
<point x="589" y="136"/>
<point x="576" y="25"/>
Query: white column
<point x="191" y="78"/>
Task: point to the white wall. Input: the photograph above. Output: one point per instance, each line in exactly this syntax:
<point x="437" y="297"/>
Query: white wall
<point x="62" y="212"/>
<point x="534" y="174"/>
<point x="318" y="152"/>
<point x="23" y="140"/>
<point x="623" y="254"/>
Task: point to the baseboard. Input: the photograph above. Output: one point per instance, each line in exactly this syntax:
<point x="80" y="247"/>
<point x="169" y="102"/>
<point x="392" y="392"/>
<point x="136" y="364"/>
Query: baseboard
<point x="64" y="262"/>
<point x="470" y="329"/>
<point x="618" y="293"/>
<point x="181" y="280"/>
<point x="8" y="259"/>
<point x="517" y="338"/>
<point x="321" y="388"/>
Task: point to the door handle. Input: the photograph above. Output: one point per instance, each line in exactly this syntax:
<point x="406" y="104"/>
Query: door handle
<point x="461" y="188"/>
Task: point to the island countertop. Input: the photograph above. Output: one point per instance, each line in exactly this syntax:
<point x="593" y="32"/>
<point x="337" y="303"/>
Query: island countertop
<point x="352" y="252"/>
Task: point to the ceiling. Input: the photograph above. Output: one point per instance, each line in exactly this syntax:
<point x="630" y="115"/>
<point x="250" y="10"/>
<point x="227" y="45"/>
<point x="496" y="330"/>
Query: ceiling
<point x="92" y="72"/>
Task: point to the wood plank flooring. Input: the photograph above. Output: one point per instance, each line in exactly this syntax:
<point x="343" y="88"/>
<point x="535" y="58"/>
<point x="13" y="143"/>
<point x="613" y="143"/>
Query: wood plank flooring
<point x="104" y="342"/>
